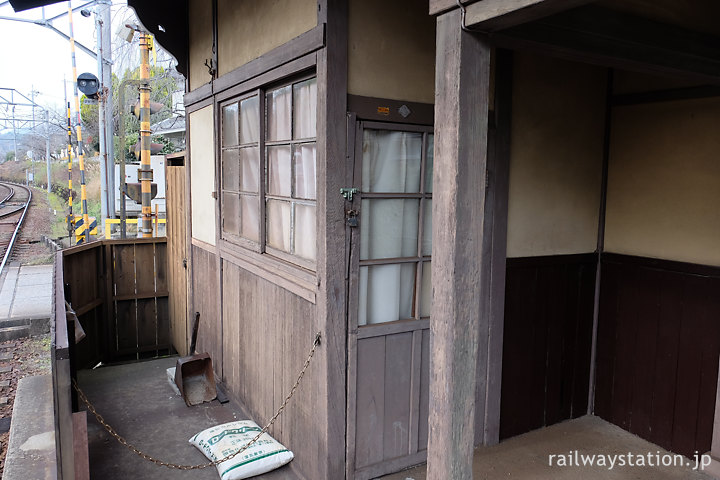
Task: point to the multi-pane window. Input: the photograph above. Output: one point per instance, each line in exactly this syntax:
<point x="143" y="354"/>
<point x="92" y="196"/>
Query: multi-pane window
<point x="268" y="171"/>
<point x="396" y="227"/>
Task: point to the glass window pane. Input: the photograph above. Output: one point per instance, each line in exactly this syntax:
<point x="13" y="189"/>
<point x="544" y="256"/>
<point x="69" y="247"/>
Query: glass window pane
<point x="305" y="231"/>
<point x="278" y="224"/>
<point x="250" y="169"/>
<point x="230" y="125"/>
<point x="230" y="213"/>
<point x="305" y="111"/>
<point x="230" y="175"/>
<point x="304" y="164"/>
<point x="391" y="161"/>
<point x="279" y="170"/>
<point x="429" y="163"/>
<point x="386" y="293"/>
<point x="389" y="228"/>
<point x="279" y="112"/>
<point x="426" y="289"/>
<point x="249" y="120"/>
<point x="427" y="228"/>
<point x="249" y="217"/>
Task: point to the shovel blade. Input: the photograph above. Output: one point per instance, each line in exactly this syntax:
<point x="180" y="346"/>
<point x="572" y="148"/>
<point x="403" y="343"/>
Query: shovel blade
<point x="195" y="378"/>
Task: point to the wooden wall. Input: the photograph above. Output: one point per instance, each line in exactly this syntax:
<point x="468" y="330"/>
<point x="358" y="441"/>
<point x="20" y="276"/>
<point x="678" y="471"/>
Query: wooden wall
<point x="118" y="289"/>
<point x="177" y="257"/>
<point x="658" y="348"/>
<point x="547" y="339"/>
<point x="267" y="333"/>
<point x="206" y="301"/>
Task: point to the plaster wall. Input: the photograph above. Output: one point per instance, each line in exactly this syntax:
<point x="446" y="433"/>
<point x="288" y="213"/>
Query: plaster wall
<point x="248" y="29"/>
<point x="556" y="157"/>
<point x="664" y="173"/>
<point x="200" y="41"/>
<point x="202" y="174"/>
<point x="391" y="50"/>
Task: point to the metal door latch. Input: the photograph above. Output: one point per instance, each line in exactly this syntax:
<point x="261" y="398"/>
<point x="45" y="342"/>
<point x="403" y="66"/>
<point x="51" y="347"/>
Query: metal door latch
<point x="348" y="193"/>
<point x="351" y="218"/>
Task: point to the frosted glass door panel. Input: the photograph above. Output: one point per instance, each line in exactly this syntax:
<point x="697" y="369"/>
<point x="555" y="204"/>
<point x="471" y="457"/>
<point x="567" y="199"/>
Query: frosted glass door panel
<point x="386" y="293"/>
<point x="389" y="228"/>
<point x="391" y="161"/>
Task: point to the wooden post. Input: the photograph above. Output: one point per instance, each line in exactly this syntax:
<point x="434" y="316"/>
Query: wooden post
<point x="461" y="111"/>
<point x="331" y="231"/>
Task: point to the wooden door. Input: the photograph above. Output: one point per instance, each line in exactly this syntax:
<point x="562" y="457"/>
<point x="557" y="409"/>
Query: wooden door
<point x="177" y="251"/>
<point x="390" y="291"/>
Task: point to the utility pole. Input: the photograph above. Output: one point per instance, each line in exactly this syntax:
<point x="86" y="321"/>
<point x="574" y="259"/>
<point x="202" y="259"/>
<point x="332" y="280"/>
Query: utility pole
<point x="78" y="128"/>
<point x="104" y="7"/>
<point x="47" y="152"/>
<point x="104" y="204"/>
<point x="145" y="172"/>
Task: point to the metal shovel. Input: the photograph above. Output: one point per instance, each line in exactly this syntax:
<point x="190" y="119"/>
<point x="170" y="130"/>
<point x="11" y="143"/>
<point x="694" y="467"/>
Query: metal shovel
<point x="194" y="374"/>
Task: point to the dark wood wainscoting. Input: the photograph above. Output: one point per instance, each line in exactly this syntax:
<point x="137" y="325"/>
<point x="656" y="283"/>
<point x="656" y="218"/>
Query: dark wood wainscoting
<point x="658" y="348"/>
<point x="547" y="341"/>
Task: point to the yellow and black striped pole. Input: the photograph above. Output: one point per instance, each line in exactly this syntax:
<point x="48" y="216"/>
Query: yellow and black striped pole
<point x="70" y="219"/>
<point x="78" y="129"/>
<point x="145" y="172"/>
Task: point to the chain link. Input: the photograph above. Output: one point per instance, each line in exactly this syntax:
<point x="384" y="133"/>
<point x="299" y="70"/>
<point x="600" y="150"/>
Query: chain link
<point x="175" y="466"/>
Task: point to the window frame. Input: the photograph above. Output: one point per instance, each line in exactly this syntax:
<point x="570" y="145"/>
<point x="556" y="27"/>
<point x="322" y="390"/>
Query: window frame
<point x="422" y="196"/>
<point x="235" y="244"/>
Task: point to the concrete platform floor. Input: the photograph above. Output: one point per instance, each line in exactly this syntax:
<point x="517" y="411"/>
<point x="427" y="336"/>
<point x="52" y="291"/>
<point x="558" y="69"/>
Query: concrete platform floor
<point x="26" y="292"/>
<point x="137" y="400"/>
<point x="526" y="457"/>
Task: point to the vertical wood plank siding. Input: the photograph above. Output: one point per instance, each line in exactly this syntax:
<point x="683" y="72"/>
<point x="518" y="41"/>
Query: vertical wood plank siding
<point x="177" y="254"/>
<point x="267" y="334"/>
<point x="119" y="291"/>
<point x="658" y="348"/>
<point x="205" y="284"/>
<point x="546" y="350"/>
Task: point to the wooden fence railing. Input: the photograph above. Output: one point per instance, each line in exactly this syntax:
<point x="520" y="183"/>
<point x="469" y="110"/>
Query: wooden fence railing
<point x="118" y="289"/>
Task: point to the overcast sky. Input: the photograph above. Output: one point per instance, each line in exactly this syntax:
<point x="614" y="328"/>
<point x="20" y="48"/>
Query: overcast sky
<point x="33" y="57"/>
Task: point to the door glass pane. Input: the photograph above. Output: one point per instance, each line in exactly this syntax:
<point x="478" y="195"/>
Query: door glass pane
<point x="386" y="293"/>
<point x="279" y="173"/>
<point x="305" y="231"/>
<point x="426" y="289"/>
<point x="278" y="224"/>
<point x="230" y="125"/>
<point x="427" y="228"/>
<point x="429" y="163"/>
<point x="305" y="111"/>
<point x="389" y="228"/>
<point x="391" y="161"/>
<point x="230" y="213"/>
<point x="279" y="110"/>
<point x="250" y="169"/>
<point x="230" y="175"/>
<point x="249" y="120"/>
<point x="304" y="164"/>
<point x="249" y="213"/>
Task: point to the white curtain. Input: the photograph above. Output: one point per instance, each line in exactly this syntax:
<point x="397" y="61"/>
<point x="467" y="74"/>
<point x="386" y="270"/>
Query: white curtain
<point x="389" y="227"/>
<point x="249" y="120"/>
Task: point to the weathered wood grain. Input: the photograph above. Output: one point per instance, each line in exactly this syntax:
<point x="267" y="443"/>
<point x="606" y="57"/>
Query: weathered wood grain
<point x="461" y="121"/>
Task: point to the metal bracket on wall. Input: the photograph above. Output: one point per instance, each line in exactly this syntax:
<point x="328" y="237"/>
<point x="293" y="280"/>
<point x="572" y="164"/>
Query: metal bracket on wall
<point x="348" y="193"/>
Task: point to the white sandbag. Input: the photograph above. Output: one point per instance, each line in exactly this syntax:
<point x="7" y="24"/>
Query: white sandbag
<point x="264" y="455"/>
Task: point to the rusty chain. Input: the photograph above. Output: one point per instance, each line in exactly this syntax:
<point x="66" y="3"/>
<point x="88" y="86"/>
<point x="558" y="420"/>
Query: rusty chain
<point x="175" y="466"/>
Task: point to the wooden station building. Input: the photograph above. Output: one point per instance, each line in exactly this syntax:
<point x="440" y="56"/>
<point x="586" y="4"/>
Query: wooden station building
<point x="500" y="214"/>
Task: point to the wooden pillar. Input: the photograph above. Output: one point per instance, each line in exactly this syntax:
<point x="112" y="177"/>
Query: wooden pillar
<point x="331" y="231"/>
<point x="461" y="111"/>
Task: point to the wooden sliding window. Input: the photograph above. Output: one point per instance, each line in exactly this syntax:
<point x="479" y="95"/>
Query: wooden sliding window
<point x="269" y="171"/>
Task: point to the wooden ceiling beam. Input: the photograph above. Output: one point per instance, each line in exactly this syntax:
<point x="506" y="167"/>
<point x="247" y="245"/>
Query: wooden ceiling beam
<point x="494" y="15"/>
<point x="606" y="37"/>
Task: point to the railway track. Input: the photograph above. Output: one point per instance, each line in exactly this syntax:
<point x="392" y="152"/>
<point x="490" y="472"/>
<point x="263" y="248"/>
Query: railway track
<point x="14" y="202"/>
